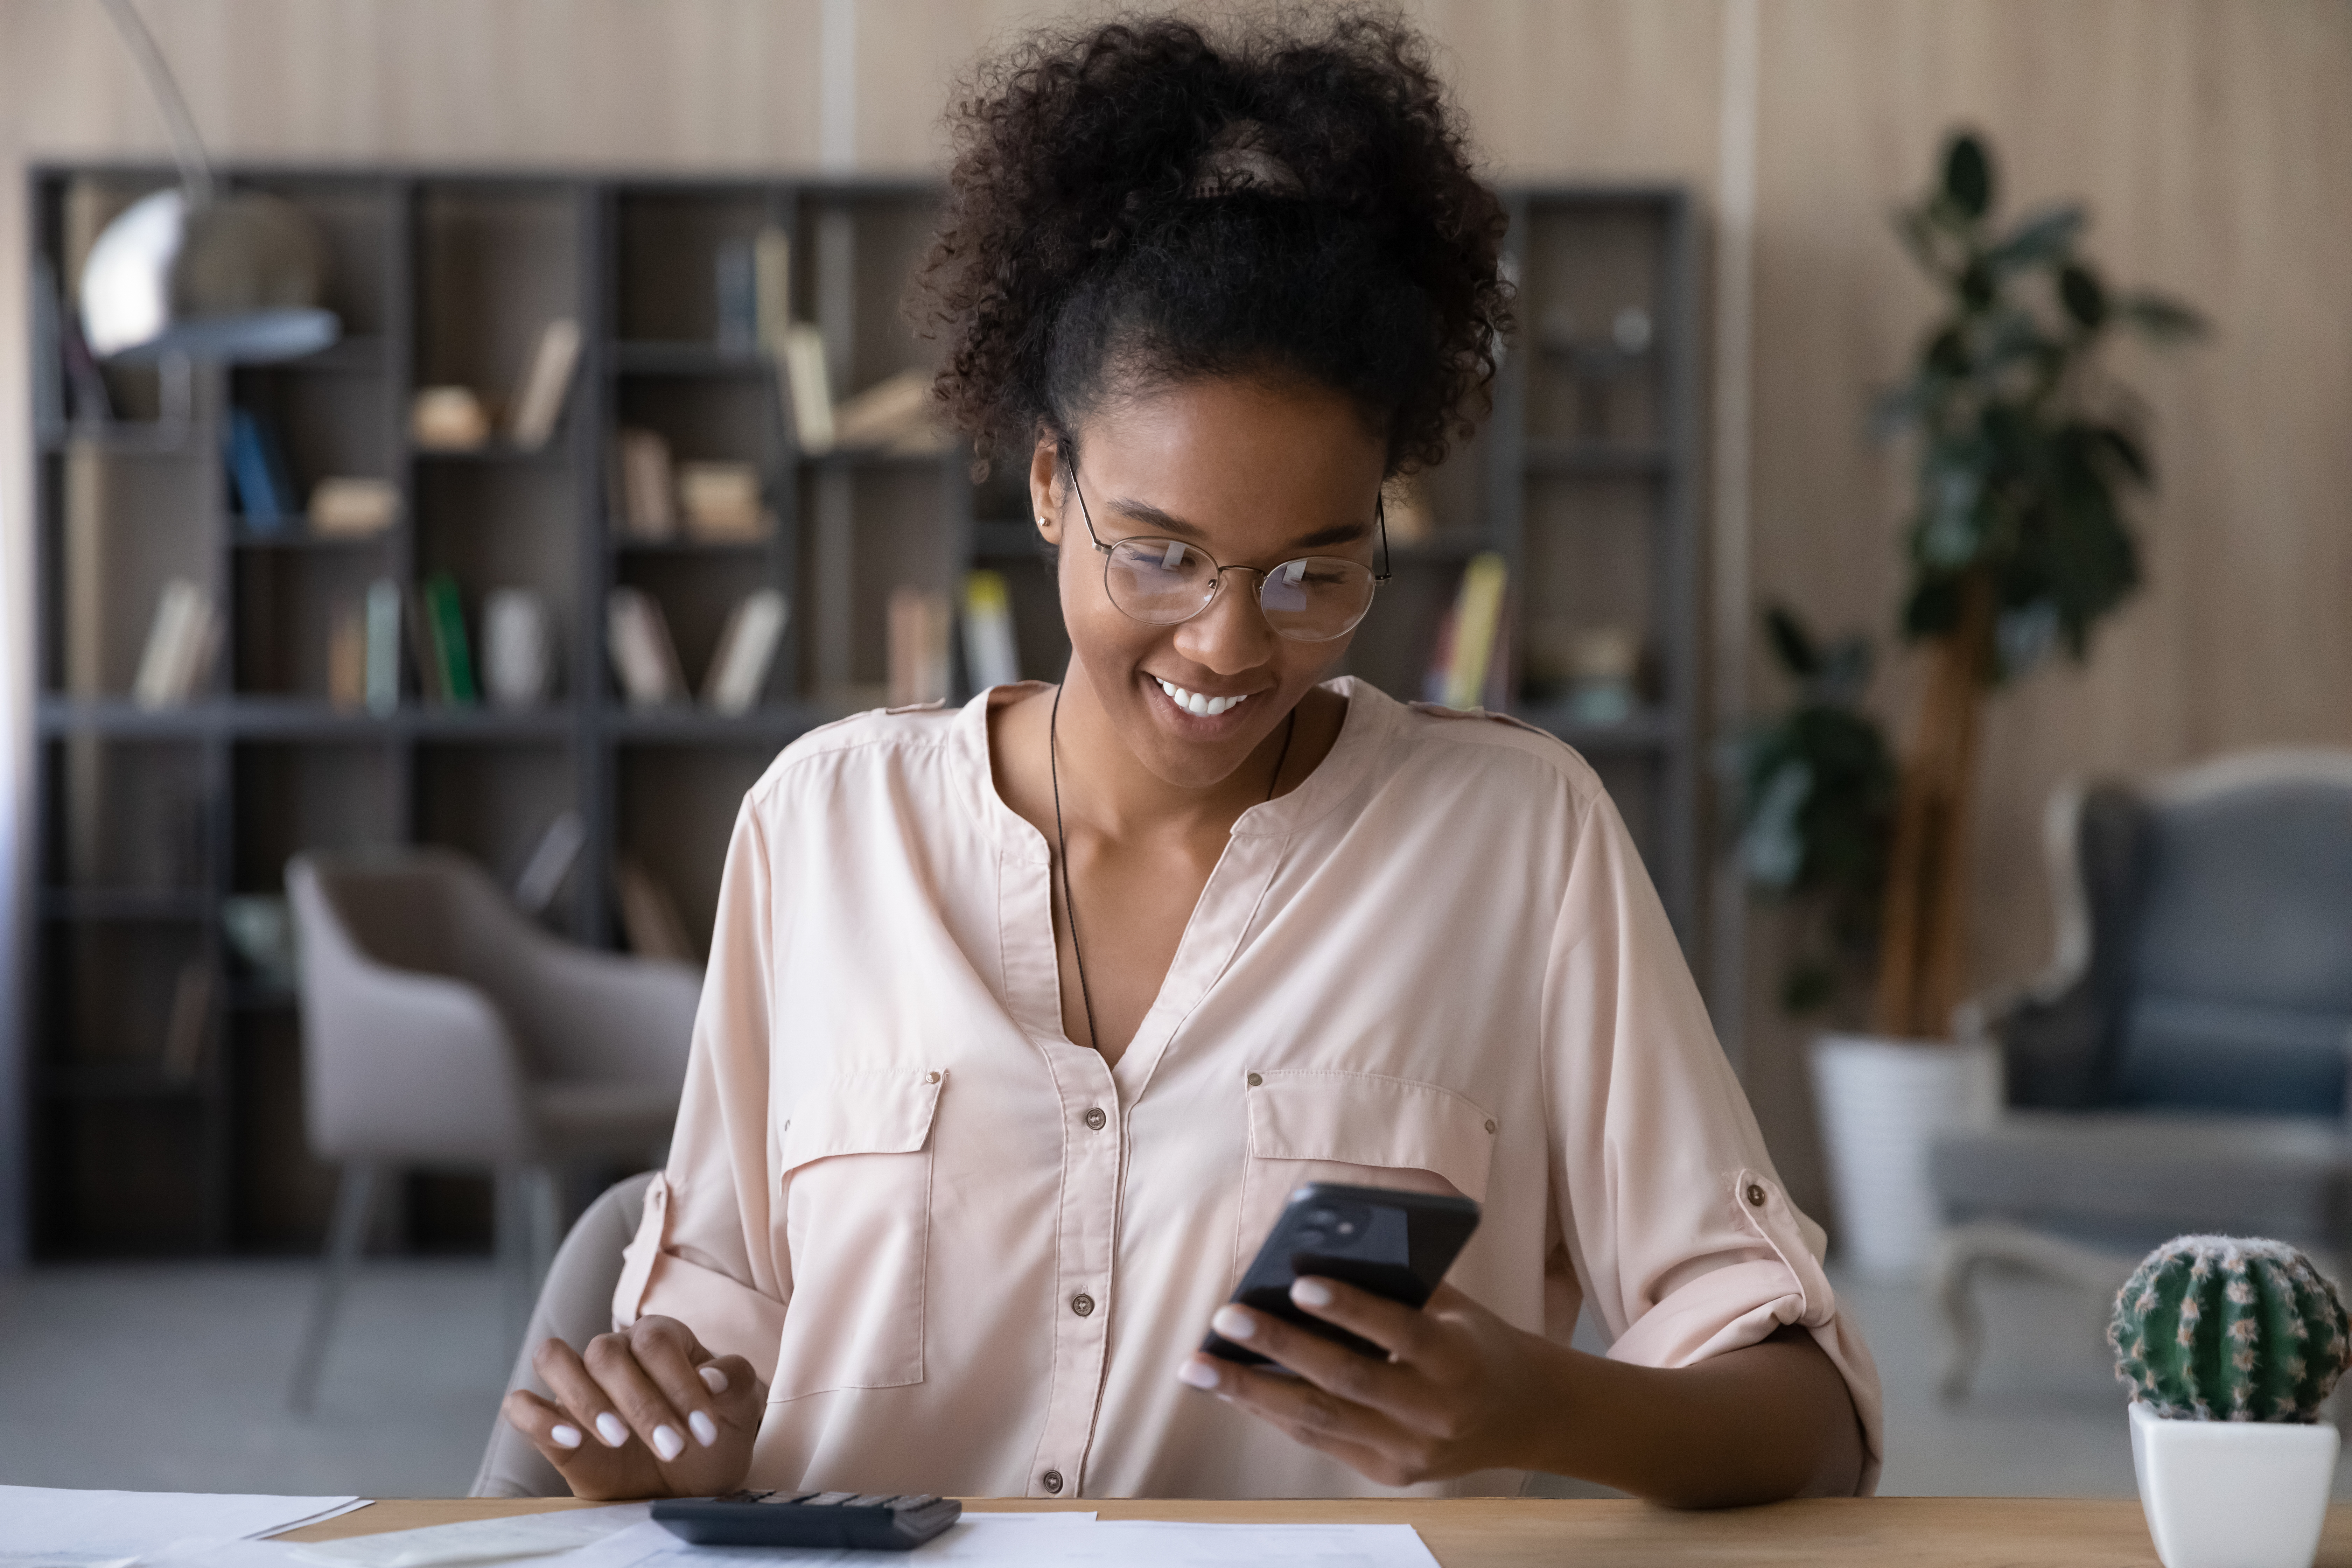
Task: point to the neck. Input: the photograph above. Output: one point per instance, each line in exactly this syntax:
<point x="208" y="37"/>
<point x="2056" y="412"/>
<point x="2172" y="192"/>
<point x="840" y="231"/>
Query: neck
<point x="1116" y="795"/>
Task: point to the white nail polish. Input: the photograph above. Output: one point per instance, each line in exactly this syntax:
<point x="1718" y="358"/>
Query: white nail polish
<point x="712" y="1378"/>
<point x="564" y="1436"/>
<point x="1310" y="1293"/>
<point x="609" y="1428"/>
<point x="667" y="1442"/>
<point x="1234" y="1324"/>
<point x="1199" y="1373"/>
<point x="706" y="1430"/>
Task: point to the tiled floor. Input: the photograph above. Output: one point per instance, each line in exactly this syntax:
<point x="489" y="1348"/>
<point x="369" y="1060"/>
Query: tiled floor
<point x="174" y="1378"/>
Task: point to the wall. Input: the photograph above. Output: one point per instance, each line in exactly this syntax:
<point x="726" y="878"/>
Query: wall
<point x="2208" y="135"/>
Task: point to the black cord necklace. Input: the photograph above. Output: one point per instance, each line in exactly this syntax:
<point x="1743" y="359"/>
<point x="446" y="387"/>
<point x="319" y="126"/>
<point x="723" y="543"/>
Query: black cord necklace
<point x="1062" y="849"/>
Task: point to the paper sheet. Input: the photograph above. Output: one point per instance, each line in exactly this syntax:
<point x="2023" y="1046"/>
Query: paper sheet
<point x="1125" y="1543"/>
<point x="49" y="1527"/>
<point x="474" y="1541"/>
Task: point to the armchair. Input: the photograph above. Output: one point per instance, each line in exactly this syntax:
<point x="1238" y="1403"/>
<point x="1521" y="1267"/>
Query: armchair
<point x="2184" y="1063"/>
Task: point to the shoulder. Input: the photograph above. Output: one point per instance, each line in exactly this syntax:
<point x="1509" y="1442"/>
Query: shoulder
<point x="879" y="741"/>
<point x="1453" y="741"/>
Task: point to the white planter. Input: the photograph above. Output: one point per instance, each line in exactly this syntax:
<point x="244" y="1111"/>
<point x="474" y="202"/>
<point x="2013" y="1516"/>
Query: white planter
<point x="2232" y="1494"/>
<point x="1882" y="1102"/>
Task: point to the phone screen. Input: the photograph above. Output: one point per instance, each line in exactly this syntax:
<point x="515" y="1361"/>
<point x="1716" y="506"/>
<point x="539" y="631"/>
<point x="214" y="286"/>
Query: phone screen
<point x="1396" y="1245"/>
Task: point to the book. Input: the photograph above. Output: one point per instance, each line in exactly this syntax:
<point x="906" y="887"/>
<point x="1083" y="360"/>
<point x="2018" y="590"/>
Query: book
<point x="894" y="410"/>
<point x="448" y="419"/>
<point x="518" y="663"/>
<point x="1477" y="617"/>
<point x="181" y="641"/>
<point x="383" y="684"/>
<point x="808" y="386"/>
<point x="539" y="397"/>
<point x="747" y="651"/>
<point x="720" y="502"/>
<point x="432" y="680"/>
<point x="445" y="622"/>
<point x="644" y="657"/>
<point x="184" y="1033"/>
<point x="647" y="500"/>
<point x="344" y="507"/>
<point x="990" y="656"/>
<point x="919" y="623"/>
<point x="737" y="281"/>
<point x="771" y="287"/>
<point x="48" y="353"/>
<point x="257" y="467"/>
<point x="551" y="859"/>
<point x="649" y="917"/>
<point x="347" y="658"/>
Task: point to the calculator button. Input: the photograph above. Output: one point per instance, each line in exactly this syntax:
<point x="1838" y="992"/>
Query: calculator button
<point x="870" y="1499"/>
<point x="829" y="1499"/>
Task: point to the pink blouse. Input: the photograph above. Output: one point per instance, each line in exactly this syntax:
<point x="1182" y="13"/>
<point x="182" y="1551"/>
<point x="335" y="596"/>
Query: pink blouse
<point x="968" y="1256"/>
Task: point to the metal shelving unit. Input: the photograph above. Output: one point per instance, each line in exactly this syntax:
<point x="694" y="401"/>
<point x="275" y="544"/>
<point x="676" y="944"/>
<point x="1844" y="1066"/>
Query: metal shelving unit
<point x="149" y="820"/>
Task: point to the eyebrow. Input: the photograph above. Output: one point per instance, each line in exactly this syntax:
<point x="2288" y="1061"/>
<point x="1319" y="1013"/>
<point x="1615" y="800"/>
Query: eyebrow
<point x="1164" y="521"/>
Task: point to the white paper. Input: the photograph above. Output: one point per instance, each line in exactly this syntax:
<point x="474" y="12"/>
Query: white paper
<point x="49" y="1527"/>
<point x="1125" y="1543"/>
<point x="474" y="1541"/>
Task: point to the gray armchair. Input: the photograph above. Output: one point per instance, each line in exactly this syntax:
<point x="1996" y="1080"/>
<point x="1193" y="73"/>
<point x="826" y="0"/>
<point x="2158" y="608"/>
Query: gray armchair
<point x="2183" y="1066"/>
<point x="441" y="1029"/>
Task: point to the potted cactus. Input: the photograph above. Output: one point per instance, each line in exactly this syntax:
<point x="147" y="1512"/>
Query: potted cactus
<point x="2230" y="1347"/>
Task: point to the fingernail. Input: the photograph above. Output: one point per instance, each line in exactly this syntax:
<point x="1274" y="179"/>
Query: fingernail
<point x="609" y="1428"/>
<point x="564" y="1436"/>
<point x="1233" y="1323"/>
<point x="667" y="1442"/>
<point x="712" y="1379"/>
<point x="1310" y="1292"/>
<point x="706" y="1430"/>
<point x="1197" y="1373"/>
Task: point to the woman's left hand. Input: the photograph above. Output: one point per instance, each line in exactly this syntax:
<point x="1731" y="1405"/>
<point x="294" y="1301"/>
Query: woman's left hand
<point x="1461" y="1390"/>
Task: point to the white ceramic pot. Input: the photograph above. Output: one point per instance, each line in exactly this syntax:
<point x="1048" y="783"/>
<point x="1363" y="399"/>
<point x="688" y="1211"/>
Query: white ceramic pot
<point x="1882" y="1102"/>
<point x="2232" y="1494"/>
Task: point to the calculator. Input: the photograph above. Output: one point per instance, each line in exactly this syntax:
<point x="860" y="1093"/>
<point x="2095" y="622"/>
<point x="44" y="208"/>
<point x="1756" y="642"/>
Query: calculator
<point x="875" y="1521"/>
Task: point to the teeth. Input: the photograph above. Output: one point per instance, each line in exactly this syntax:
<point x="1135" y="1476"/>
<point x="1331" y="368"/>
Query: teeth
<point x="1197" y="706"/>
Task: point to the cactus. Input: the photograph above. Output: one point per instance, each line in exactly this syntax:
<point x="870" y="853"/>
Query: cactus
<point x="2217" y="1328"/>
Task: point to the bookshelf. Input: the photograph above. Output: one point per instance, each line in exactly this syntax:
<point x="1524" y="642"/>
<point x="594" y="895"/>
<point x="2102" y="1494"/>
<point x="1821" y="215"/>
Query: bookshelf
<point x="152" y="823"/>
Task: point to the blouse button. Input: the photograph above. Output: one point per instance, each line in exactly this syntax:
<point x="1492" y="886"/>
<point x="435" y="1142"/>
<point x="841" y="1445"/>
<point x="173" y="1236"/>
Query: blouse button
<point x="931" y="1077"/>
<point x="1094" y="1118"/>
<point x="1255" y="1081"/>
<point x="1490" y="1124"/>
<point x="1755" y="1195"/>
<point x="1052" y="1479"/>
<point x="1082" y="1304"/>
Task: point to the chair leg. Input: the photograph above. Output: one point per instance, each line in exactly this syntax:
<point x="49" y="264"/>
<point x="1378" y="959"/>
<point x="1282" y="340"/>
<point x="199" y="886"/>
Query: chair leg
<point x="1952" y="1283"/>
<point x="1966" y="1249"/>
<point x="354" y="1202"/>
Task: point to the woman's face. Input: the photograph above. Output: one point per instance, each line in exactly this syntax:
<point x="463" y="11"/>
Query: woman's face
<point x="1254" y="474"/>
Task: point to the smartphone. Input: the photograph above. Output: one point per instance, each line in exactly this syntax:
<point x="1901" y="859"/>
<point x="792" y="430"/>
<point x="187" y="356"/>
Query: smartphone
<point x="1393" y="1244"/>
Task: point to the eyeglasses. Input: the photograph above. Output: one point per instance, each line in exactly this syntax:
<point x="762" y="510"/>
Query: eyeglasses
<point x="1164" y="580"/>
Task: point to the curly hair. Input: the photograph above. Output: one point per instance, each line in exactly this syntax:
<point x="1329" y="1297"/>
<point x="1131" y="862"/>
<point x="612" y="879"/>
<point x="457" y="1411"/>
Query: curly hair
<point x="1138" y="204"/>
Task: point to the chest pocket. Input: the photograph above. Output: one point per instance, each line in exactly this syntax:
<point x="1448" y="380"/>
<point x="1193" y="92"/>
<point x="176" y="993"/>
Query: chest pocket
<point x="1365" y="1128"/>
<point x="856" y="1175"/>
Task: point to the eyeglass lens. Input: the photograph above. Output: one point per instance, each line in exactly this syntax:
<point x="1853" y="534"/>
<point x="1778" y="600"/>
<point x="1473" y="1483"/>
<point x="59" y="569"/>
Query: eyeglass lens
<point x="1166" y="580"/>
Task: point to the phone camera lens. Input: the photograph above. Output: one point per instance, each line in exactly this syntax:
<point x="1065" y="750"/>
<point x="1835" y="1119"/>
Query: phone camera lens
<point x="1346" y="1228"/>
<point x="1309" y="1238"/>
<point x="1322" y="1216"/>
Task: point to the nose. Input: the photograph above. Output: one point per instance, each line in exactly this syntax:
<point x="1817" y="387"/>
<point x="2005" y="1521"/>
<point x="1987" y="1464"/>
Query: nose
<point x="1231" y="634"/>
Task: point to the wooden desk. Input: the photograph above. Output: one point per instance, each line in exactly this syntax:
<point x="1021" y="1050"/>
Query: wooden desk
<point x="1882" y="1532"/>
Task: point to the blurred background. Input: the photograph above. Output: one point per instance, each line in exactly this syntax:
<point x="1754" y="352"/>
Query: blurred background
<point x="1918" y="486"/>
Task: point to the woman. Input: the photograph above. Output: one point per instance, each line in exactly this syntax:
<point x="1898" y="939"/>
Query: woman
<point x="1022" y="1021"/>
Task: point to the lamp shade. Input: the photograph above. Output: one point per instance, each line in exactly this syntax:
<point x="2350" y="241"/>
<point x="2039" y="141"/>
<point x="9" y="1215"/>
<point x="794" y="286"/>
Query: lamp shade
<point x="235" y="278"/>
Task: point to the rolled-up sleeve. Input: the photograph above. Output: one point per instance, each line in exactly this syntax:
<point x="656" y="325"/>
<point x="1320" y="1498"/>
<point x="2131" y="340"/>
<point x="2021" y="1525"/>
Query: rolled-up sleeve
<point x="704" y="1252"/>
<point x="1683" y="1238"/>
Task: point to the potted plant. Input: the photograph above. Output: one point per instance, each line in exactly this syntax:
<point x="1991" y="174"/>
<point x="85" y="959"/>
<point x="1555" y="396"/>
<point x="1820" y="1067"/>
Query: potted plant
<point x="2018" y="544"/>
<point x="2229" y="1346"/>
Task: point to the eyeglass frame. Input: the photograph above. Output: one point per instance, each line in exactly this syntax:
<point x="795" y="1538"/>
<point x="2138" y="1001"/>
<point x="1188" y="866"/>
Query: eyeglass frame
<point x="1379" y="524"/>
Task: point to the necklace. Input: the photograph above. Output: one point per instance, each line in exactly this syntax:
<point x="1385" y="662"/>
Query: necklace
<point x="1062" y="849"/>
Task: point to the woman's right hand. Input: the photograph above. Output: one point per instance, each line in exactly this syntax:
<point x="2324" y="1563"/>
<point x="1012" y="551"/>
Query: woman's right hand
<point x="648" y="1411"/>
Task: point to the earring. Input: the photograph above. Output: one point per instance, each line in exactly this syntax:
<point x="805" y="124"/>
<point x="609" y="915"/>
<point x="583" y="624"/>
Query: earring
<point x="1041" y="519"/>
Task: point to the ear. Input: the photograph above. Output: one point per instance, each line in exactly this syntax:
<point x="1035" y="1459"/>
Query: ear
<point x="1046" y="486"/>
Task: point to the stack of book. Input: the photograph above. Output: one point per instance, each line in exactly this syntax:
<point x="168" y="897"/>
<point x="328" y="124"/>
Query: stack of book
<point x="646" y="661"/>
<point x="181" y="641"/>
<point x="1470" y="666"/>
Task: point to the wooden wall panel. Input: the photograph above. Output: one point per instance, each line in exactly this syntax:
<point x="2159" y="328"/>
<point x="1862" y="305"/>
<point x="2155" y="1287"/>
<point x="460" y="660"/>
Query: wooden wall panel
<point x="2211" y="136"/>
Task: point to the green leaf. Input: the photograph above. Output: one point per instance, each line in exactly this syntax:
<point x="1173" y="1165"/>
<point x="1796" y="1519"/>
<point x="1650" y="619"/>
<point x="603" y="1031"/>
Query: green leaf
<point x="2126" y="451"/>
<point x="2046" y="236"/>
<point x="1976" y="287"/>
<point x="1933" y="607"/>
<point x="2162" y="319"/>
<point x="1968" y="176"/>
<point x="1792" y="645"/>
<point x="2079" y="290"/>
